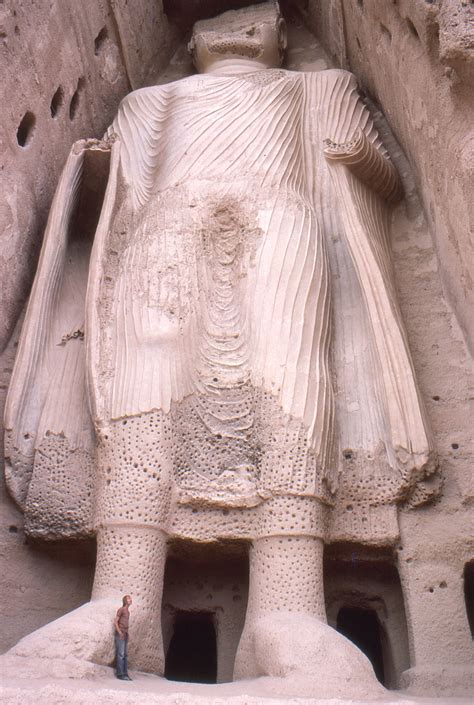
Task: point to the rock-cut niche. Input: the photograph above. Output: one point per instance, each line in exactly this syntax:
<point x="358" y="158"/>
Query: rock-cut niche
<point x="204" y="604"/>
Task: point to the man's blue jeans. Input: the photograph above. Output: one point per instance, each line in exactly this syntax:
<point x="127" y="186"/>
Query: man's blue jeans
<point x="121" y="665"/>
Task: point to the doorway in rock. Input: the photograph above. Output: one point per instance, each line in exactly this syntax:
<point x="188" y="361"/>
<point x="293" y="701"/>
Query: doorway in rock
<point x="363" y="593"/>
<point x="204" y="601"/>
<point x="362" y="627"/>
<point x="192" y="653"/>
<point x="469" y="593"/>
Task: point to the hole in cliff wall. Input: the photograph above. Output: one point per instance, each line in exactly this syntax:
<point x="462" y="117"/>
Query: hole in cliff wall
<point x="99" y="40"/>
<point x="74" y="105"/>
<point x="386" y="33"/>
<point x="26" y="129"/>
<point x="192" y="653"/>
<point x="469" y="593"/>
<point x="412" y="28"/>
<point x="203" y="610"/>
<point x="57" y="101"/>
<point x="364" y="601"/>
<point x="362" y="627"/>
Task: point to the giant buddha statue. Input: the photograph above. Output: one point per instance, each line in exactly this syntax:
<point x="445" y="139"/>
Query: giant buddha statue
<point x="213" y="348"/>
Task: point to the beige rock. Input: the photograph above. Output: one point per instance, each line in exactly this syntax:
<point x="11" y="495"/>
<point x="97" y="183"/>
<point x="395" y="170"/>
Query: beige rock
<point x="387" y="454"/>
<point x="212" y="242"/>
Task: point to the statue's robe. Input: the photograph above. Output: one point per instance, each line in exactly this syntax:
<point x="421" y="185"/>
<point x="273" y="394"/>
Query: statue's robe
<point x="239" y="285"/>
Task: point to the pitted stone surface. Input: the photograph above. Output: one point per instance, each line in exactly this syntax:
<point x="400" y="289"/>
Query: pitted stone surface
<point x="222" y="470"/>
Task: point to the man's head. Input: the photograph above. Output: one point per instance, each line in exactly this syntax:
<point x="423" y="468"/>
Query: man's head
<point x="256" y="33"/>
<point x="126" y="600"/>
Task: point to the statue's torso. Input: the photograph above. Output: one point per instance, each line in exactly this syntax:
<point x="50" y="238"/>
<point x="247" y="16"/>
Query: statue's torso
<point x="218" y="258"/>
<point x="245" y="132"/>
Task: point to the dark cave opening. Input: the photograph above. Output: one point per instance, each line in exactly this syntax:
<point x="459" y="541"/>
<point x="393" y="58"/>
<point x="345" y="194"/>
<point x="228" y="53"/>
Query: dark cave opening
<point x="469" y="594"/>
<point x="192" y="653"/>
<point x="362" y="627"/>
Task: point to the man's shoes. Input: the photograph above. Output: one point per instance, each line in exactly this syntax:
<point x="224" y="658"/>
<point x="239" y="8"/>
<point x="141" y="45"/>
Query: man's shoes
<point x="124" y="678"/>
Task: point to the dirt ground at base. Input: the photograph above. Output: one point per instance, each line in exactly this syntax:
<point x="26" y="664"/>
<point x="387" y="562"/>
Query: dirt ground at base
<point x="147" y="689"/>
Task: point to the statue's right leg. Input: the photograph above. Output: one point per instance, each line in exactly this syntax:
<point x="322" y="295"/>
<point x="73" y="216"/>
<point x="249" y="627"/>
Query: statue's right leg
<point x="135" y="467"/>
<point x="131" y="560"/>
<point x="133" y="471"/>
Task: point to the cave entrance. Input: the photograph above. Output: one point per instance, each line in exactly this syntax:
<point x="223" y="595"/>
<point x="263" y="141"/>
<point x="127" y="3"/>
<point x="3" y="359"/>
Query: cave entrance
<point x="362" y="627"/>
<point x="203" y="610"/>
<point x="192" y="653"/>
<point x="364" y="601"/>
<point x="469" y="594"/>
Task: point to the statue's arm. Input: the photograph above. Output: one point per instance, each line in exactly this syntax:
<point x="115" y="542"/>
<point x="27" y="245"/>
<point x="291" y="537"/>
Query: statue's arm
<point x="354" y="189"/>
<point x="47" y="402"/>
<point x="367" y="163"/>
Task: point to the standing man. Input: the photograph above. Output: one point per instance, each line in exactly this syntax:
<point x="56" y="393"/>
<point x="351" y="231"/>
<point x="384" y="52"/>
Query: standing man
<point x="121" y="623"/>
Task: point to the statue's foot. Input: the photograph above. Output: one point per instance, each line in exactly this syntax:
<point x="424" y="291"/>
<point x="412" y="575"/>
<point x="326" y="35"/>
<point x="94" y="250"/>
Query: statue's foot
<point x="309" y="657"/>
<point x="79" y="644"/>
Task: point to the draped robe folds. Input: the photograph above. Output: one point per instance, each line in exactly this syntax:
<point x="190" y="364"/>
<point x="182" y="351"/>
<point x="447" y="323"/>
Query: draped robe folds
<point x="239" y="284"/>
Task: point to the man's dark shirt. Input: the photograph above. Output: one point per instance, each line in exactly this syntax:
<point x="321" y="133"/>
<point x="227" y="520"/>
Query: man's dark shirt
<point x="123" y="616"/>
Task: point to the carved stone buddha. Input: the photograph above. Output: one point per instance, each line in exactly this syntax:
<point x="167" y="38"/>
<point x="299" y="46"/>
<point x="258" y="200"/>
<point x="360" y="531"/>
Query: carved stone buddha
<point x="220" y="354"/>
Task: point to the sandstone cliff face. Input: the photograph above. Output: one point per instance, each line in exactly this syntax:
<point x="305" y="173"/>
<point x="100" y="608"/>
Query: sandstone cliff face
<point x="66" y="69"/>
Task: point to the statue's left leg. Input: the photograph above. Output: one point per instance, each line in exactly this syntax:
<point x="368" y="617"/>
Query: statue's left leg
<point x="286" y="583"/>
<point x="285" y="634"/>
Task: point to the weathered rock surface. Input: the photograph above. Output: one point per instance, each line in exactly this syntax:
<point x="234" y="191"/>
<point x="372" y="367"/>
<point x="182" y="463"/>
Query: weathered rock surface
<point x="414" y="59"/>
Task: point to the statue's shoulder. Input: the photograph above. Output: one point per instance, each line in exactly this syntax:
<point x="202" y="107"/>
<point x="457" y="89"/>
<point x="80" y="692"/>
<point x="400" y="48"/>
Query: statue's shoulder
<point x="159" y="92"/>
<point x="331" y="75"/>
<point x="329" y="86"/>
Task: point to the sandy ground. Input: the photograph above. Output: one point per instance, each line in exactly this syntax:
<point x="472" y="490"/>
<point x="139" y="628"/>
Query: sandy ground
<point x="151" y="690"/>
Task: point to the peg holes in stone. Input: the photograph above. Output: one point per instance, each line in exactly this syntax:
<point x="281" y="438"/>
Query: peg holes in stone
<point x="26" y="129"/>
<point x="57" y="102"/>
<point x="100" y="40"/>
<point x="455" y="446"/>
<point x="435" y="397"/>
<point x="74" y="105"/>
<point x="13" y="529"/>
